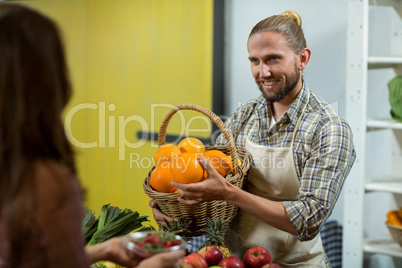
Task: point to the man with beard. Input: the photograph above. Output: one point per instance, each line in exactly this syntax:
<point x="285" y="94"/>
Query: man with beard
<point x="302" y="152"/>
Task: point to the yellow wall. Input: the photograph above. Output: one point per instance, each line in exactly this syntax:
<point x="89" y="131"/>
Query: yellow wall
<point x="124" y="57"/>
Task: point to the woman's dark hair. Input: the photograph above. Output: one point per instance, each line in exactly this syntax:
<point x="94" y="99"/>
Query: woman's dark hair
<point x="34" y="89"/>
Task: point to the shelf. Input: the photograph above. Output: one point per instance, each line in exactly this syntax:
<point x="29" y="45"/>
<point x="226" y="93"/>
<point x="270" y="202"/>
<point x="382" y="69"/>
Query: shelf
<point x="382" y="245"/>
<point x="391" y="185"/>
<point x="384" y="60"/>
<point x="373" y="32"/>
<point x="383" y="123"/>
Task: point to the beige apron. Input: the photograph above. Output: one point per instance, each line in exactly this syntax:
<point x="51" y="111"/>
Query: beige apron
<point x="273" y="176"/>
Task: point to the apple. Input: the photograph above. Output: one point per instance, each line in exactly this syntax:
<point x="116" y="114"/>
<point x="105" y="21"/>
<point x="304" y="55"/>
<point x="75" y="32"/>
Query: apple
<point x="211" y="254"/>
<point x="186" y="265"/>
<point x="271" y="265"/>
<point x="196" y="260"/>
<point x="231" y="262"/>
<point x="256" y="257"/>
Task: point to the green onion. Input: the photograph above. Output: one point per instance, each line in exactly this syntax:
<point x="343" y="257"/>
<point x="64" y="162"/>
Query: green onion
<point x="112" y="222"/>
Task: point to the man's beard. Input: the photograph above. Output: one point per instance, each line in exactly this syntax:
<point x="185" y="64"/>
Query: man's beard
<point x="285" y="90"/>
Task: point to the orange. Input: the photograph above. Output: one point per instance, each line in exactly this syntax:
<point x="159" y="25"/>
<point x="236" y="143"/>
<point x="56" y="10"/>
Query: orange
<point x="238" y="161"/>
<point x="186" y="168"/>
<point x="165" y="153"/>
<point x="160" y="179"/>
<point x="219" y="161"/>
<point x="394" y="218"/>
<point x="191" y="145"/>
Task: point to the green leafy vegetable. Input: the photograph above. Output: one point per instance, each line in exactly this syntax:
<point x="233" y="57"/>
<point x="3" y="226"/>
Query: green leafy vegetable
<point x="395" y="98"/>
<point x="90" y="224"/>
<point x="112" y="222"/>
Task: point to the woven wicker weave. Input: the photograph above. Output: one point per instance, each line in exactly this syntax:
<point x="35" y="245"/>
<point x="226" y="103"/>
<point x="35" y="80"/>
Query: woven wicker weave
<point x="198" y="214"/>
<point x="396" y="233"/>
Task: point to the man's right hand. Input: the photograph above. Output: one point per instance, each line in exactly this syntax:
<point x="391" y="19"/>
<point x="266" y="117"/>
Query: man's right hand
<point x="158" y="215"/>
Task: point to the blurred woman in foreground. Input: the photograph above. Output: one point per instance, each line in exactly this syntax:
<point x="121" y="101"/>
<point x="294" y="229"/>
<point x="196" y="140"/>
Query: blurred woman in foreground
<point x="41" y="202"/>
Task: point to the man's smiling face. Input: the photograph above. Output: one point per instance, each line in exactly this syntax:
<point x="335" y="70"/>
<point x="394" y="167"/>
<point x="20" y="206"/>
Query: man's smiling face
<point x="273" y="65"/>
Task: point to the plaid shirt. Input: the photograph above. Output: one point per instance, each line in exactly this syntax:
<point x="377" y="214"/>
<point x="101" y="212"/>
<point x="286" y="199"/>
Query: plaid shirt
<point x="323" y="152"/>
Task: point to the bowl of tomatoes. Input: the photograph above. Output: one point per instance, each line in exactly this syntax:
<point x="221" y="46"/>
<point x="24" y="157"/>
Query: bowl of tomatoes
<point x="148" y="243"/>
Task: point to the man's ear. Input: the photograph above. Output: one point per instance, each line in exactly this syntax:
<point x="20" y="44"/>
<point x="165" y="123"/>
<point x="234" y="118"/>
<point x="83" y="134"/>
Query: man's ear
<point x="304" y="58"/>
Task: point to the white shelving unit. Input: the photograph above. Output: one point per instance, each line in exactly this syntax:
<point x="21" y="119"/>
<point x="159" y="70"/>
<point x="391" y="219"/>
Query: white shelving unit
<point x="382" y="245"/>
<point x="384" y="60"/>
<point x="383" y="123"/>
<point x="367" y="120"/>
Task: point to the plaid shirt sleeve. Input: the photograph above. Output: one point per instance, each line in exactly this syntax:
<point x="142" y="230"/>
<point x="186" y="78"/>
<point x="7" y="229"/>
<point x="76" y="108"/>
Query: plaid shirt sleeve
<point x="330" y="158"/>
<point x="240" y="122"/>
<point x="221" y="140"/>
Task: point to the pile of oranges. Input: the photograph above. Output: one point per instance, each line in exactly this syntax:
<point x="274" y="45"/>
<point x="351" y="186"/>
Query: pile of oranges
<point x="180" y="163"/>
<point x="394" y="217"/>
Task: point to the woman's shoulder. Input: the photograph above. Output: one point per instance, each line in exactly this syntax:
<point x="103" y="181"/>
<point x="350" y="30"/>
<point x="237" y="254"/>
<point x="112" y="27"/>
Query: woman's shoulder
<point x="50" y="167"/>
<point x="50" y="171"/>
<point x="54" y="180"/>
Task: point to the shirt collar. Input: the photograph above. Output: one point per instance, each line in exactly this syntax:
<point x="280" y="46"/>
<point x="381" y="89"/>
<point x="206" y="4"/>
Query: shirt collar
<point x="292" y="113"/>
<point x="298" y="105"/>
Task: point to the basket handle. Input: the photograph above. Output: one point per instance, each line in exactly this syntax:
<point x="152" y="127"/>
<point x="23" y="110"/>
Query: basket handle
<point x="218" y="122"/>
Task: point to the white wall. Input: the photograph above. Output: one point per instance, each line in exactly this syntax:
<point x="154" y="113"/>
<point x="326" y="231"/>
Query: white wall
<point x="324" y="25"/>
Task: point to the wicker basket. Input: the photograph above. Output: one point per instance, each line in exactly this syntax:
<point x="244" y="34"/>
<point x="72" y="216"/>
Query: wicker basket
<point x="198" y="214"/>
<point x="396" y="233"/>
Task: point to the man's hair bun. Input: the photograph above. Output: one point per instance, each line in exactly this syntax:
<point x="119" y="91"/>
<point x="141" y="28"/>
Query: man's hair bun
<point x="294" y="16"/>
<point x="289" y="24"/>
